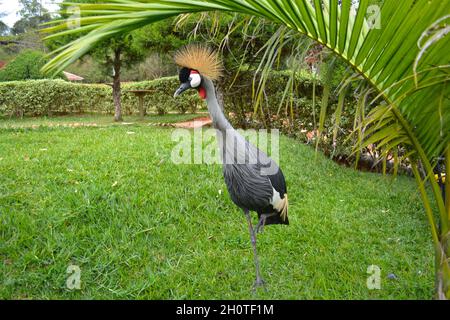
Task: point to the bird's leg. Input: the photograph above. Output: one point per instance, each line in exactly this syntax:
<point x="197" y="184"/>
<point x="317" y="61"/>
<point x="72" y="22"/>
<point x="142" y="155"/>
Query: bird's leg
<point x="261" y="223"/>
<point x="259" y="281"/>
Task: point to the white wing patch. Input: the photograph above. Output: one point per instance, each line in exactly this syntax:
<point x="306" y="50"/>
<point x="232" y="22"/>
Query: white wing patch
<point x="281" y="205"/>
<point x="276" y="200"/>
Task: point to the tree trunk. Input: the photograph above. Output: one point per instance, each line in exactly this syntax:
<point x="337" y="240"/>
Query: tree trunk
<point x="116" y="86"/>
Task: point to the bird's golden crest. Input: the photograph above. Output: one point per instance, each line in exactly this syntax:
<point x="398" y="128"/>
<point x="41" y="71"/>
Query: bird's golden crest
<point x="201" y="58"/>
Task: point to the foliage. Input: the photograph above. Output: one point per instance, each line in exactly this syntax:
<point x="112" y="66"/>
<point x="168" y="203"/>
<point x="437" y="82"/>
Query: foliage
<point x="238" y="98"/>
<point x="4" y="29"/>
<point x="292" y="116"/>
<point x="43" y="97"/>
<point x="25" y="66"/>
<point x="160" y="37"/>
<point x="153" y="67"/>
<point x="31" y="8"/>
<point x="143" y="49"/>
<point x="238" y="37"/>
<point x="90" y="70"/>
<point x="32" y="14"/>
<point x="13" y="45"/>
<point x="130" y="54"/>
<point x="46" y="97"/>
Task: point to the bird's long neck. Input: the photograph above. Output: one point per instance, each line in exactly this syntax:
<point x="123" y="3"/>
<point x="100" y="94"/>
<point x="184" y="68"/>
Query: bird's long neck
<point x="215" y="111"/>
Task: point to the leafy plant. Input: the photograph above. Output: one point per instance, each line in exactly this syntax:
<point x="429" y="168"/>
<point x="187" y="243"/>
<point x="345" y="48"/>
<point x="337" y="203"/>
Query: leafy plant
<point x="25" y="66"/>
<point x="47" y="97"/>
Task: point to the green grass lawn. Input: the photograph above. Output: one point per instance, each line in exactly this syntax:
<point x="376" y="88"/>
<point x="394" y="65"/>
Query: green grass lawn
<point x="141" y="227"/>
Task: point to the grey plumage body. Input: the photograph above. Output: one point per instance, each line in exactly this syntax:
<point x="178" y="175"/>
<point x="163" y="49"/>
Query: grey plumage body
<point x="245" y="167"/>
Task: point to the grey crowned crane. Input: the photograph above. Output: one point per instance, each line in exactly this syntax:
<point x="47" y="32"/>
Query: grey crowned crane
<point x="254" y="181"/>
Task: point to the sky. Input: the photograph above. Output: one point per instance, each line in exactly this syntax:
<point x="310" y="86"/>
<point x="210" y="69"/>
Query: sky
<point x="11" y="7"/>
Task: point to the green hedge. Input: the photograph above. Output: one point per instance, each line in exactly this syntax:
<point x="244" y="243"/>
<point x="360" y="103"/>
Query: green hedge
<point x="161" y="100"/>
<point x="47" y="97"/>
<point x="44" y="97"/>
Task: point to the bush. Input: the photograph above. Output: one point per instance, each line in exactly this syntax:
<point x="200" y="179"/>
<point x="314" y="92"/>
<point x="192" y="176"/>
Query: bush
<point x="25" y="66"/>
<point x="47" y="97"/>
<point x="239" y="106"/>
<point x="239" y="100"/>
<point x="161" y="100"/>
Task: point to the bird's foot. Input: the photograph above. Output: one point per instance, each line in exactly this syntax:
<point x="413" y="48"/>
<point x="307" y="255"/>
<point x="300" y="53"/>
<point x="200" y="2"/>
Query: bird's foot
<point x="259" y="282"/>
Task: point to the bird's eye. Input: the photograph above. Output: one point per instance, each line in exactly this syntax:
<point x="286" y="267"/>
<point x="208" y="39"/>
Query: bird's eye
<point x="195" y="80"/>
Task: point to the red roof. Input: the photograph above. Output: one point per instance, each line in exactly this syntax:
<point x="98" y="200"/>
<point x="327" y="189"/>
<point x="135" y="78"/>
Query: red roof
<point x="72" y="77"/>
<point x="2" y="64"/>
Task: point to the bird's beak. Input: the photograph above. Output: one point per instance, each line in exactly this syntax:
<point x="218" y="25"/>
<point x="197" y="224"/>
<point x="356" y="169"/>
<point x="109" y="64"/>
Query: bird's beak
<point x="184" y="86"/>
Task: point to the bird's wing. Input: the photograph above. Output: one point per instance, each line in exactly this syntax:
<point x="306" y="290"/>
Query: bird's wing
<point x="278" y="182"/>
<point x="272" y="171"/>
<point x="269" y="167"/>
<point x="251" y="176"/>
<point x="280" y="203"/>
<point x="247" y="187"/>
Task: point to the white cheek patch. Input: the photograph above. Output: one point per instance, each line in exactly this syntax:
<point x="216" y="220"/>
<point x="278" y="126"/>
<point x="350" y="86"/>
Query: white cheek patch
<point x="195" y="80"/>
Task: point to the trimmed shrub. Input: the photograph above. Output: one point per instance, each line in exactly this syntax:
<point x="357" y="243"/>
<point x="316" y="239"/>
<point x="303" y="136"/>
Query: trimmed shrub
<point x="47" y="97"/>
<point x="161" y="100"/>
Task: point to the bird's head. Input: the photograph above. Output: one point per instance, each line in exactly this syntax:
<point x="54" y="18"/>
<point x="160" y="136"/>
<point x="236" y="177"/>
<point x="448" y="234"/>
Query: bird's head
<point x="197" y="63"/>
<point x="190" y="79"/>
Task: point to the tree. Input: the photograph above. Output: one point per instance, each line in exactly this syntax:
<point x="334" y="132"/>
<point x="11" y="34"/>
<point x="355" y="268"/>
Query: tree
<point x="116" y="53"/>
<point x="33" y="14"/>
<point x="4" y="29"/>
<point x="31" y="8"/>
<point x="404" y="60"/>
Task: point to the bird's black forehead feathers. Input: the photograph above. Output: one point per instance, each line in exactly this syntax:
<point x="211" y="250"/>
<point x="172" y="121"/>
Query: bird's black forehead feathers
<point x="184" y="75"/>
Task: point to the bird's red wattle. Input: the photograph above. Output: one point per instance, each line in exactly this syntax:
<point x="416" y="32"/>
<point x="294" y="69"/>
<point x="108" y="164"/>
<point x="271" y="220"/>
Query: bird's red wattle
<point x="202" y="92"/>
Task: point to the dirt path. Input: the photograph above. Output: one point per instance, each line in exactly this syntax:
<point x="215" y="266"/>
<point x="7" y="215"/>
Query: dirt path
<point x="195" y="123"/>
